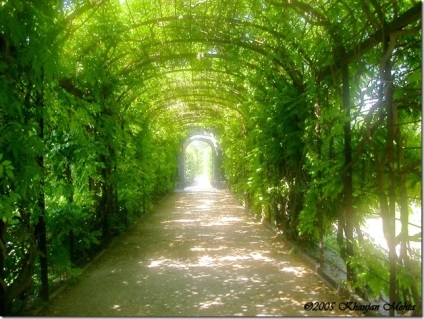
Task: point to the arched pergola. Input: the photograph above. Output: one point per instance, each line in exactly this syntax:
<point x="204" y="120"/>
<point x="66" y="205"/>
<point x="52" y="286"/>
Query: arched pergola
<point x="216" y="158"/>
<point x="317" y="104"/>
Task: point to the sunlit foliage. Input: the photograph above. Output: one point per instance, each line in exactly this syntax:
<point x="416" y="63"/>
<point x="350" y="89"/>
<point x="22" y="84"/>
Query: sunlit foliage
<point x="316" y="104"/>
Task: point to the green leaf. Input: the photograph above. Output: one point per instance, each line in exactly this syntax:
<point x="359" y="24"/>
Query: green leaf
<point x="6" y="163"/>
<point x="9" y="173"/>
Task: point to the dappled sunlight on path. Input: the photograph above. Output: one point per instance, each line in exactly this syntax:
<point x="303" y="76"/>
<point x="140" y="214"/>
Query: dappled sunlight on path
<point x="199" y="254"/>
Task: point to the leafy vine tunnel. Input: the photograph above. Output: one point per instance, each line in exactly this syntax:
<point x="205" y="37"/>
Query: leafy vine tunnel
<point x="316" y="104"/>
<point x="214" y="176"/>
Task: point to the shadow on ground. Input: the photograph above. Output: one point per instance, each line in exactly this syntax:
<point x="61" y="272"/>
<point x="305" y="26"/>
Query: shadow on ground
<point x="199" y="254"/>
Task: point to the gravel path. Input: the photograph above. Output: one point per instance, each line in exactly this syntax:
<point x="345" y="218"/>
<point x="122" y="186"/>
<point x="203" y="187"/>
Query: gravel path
<point x="198" y="254"/>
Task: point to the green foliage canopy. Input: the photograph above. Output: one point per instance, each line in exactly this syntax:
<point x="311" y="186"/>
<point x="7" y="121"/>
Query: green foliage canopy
<point x="305" y="97"/>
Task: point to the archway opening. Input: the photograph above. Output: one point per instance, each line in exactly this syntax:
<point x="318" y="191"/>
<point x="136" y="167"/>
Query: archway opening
<point x="198" y="164"/>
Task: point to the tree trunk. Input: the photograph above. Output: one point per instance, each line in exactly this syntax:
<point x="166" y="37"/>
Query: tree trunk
<point x="389" y="214"/>
<point x="320" y="210"/>
<point x="347" y="178"/>
<point x="40" y="228"/>
<point x="71" y="201"/>
<point x="107" y="202"/>
<point x="3" y="286"/>
<point x="41" y="237"/>
<point x="404" y="212"/>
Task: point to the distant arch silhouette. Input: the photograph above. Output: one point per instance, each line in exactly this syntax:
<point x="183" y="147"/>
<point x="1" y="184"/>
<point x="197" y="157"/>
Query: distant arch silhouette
<point x="216" y="159"/>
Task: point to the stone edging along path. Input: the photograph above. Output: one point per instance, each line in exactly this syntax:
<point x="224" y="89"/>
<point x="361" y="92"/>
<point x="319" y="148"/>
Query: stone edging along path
<point x="327" y="276"/>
